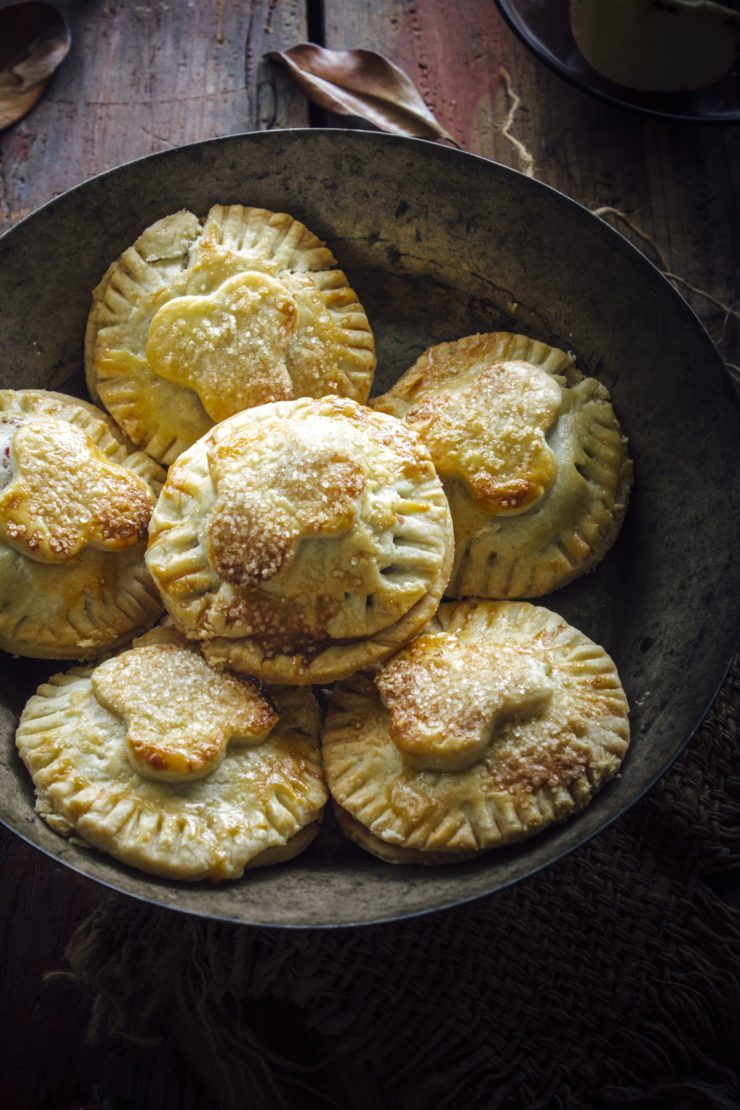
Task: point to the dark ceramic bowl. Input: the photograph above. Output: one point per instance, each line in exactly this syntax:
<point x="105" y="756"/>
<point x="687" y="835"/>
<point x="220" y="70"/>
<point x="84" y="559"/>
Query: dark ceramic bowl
<point x="438" y="244"/>
<point x="544" y="28"/>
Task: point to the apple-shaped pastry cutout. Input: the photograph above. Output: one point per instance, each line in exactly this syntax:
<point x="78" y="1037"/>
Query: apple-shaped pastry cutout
<point x="447" y="696"/>
<point x="63" y="494"/>
<point x="180" y="714"/>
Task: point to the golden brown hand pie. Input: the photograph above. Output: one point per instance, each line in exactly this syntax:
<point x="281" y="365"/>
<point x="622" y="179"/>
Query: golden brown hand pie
<point x="201" y="319"/>
<point x="75" y="503"/>
<point x="302" y="540"/>
<point x="531" y="456"/>
<point x="495" y="722"/>
<point x="172" y="767"/>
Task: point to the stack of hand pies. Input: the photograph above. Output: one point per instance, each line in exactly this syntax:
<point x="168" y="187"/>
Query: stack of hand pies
<point x="302" y="535"/>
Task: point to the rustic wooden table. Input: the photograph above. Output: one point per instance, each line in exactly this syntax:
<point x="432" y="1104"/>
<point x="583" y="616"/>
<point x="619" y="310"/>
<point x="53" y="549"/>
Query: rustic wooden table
<point x="145" y="76"/>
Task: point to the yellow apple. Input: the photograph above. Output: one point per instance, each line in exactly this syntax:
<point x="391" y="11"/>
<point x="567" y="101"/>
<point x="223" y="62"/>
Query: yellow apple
<point x="657" y="45"/>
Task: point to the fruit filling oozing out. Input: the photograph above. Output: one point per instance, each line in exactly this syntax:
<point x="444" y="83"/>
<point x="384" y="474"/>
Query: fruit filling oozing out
<point x="8" y="428"/>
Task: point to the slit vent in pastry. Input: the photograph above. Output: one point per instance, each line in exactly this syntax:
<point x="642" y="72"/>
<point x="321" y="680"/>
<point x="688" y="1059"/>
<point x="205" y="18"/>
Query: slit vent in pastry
<point x="531" y="456"/>
<point x="199" y="320"/>
<point x="301" y="540"/>
<point x="75" y="504"/>
<point x="172" y="767"/>
<point x="496" y="722"/>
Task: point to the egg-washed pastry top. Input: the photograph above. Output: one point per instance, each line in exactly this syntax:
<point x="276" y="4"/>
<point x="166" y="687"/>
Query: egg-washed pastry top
<point x="495" y="722"/>
<point x="172" y="767"/>
<point x="200" y="319"/>
<point x="531" y="456"/>
<point x="75" y="503"/>
<point x="301" y="540"/>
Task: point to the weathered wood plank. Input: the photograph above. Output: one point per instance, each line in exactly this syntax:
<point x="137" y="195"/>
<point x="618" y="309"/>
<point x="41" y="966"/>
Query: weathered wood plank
<point x="143" y="77"/>
<point x="139" y="78"/>
<point x="676" y="182"/>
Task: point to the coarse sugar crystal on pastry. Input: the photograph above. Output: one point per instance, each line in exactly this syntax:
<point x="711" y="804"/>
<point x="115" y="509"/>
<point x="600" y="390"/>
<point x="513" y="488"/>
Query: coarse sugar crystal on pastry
<point x="173" y="767"/>
<point x="531" y="456"/>
<point x="202" y="318"/>
<point x="497" y="721"/>
<point x="75" y="503"/>
<point x="302" y="540"/>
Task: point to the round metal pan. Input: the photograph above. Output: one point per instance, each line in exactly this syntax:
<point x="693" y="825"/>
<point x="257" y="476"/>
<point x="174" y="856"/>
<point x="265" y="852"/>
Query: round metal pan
<point x="438" y="244"/>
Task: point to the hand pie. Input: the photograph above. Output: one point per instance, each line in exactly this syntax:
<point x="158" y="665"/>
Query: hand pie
<point x="172" y="767"/>
<point x="530" y="454"/>
<point x="201" y="319"/>
<point x="497" y="721"/>
<point x="302" y="540"/>
<point x="75" y="503"/>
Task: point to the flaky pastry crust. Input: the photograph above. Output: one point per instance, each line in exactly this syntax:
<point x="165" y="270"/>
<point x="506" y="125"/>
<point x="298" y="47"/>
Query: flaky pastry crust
<point x="130" y="769"/>
<point x="531" y="456"/>
<point x="75" y="503"/>
<point x="201" y="319"/>
<point x="301" y="540"/>
<point x="498" y="721"/>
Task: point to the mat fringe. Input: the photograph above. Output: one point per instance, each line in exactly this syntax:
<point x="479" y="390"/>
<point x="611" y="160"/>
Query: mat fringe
<point x="610" y="980"/>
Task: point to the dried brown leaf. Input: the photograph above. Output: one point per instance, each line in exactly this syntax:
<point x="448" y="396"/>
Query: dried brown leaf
<point x="361" y="83"/>
<point x="35" y="40"/>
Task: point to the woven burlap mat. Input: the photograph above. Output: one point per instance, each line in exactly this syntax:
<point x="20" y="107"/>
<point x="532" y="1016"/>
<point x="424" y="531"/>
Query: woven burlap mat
<point x="609" y="980"/>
